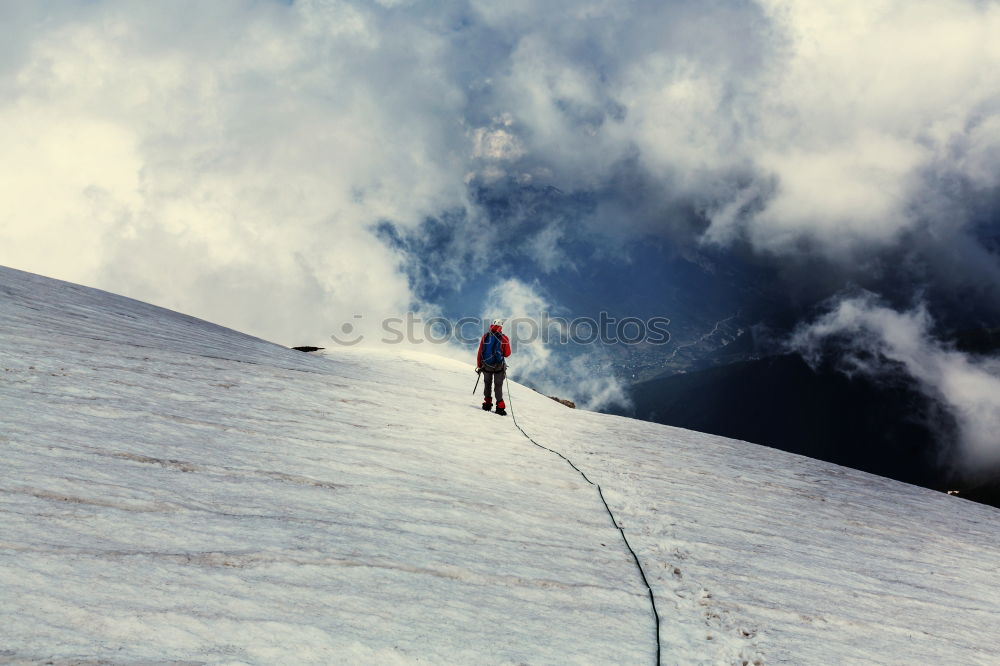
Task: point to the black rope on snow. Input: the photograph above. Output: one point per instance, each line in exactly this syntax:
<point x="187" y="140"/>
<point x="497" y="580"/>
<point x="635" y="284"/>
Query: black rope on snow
<point x="547" y="448"/>
<point x="635" y="558"/>
<point x="652" y="599"/>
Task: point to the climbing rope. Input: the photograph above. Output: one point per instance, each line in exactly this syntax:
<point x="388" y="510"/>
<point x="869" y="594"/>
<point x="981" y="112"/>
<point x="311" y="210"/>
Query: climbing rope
<point x="635" y="558"/>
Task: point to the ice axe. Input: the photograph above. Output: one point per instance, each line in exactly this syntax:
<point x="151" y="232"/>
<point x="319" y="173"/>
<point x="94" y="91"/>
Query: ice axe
<point x="479" y="373"/>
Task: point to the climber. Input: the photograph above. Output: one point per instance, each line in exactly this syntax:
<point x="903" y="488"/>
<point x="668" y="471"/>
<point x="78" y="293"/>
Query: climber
<point x="494" y="347"/>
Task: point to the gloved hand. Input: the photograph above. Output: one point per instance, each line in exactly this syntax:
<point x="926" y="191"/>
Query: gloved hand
<point x="478" y="370"/>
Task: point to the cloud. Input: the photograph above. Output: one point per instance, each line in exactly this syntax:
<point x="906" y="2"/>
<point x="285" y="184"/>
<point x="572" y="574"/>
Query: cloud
<point x="967" y="386"/>
<point x="498" y="143"/>
<point x="869" y="97"/>
<point x="227" y="161"/>
<point x="839" y="132"/>
<point x="232" y="159"/>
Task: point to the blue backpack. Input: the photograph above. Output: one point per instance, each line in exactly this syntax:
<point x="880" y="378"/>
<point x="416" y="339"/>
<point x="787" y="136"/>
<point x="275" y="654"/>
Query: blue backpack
<point x="492" y="353"/>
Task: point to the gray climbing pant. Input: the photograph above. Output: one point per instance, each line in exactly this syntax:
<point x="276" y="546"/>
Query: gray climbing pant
<point x="493" y="381"/>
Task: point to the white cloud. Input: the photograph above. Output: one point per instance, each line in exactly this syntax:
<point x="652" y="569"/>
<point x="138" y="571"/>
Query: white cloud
<point x="64" y="188"/>
<point x="869" y="96"/>
<point x="226" y="162"/>
<point x="968" y="386"/>
<point x="545" y="249"/>
<point x="802" y="122"/>
<point x="227" y="158"/>
<point x="499" y="143"/>
<point x="847" y="195"/>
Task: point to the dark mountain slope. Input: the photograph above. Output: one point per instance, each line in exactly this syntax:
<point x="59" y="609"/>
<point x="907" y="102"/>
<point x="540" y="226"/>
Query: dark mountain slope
<point x="885" y="427"/>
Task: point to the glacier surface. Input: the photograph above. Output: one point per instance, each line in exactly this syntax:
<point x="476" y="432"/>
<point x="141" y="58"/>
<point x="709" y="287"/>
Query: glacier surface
<point x="177" y="492"/>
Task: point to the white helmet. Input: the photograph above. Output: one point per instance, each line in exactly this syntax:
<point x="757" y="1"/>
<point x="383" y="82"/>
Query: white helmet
<point x="498" y="322"/>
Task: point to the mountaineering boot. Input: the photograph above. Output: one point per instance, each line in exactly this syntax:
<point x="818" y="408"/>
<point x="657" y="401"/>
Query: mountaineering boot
<point x="487" y="406"/>
<point x="501" y="408"/>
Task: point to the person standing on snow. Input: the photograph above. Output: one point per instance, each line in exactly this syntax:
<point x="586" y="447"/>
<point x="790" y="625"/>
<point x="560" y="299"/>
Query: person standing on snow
<point x="493" y="349"/>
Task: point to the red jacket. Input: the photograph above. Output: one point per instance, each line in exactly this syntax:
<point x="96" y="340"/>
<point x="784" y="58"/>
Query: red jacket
<point x="504" y="345"/>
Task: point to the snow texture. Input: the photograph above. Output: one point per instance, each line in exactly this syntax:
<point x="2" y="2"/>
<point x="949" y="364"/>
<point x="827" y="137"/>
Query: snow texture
<point x="177" y="492"/>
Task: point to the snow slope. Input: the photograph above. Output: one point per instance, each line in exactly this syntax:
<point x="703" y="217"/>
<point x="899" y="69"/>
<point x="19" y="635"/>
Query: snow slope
<point x="174" y="491"/>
